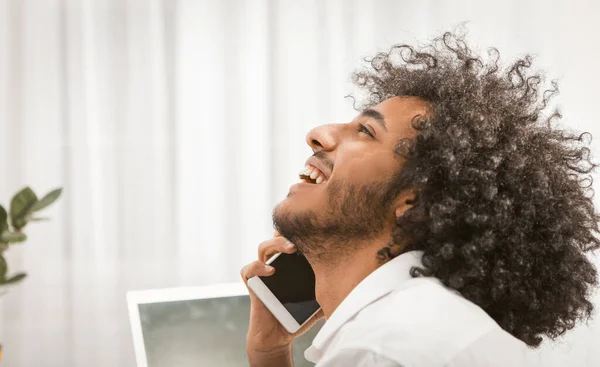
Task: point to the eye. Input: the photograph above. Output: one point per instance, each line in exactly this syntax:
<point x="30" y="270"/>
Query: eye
<point x="363" y="129"/>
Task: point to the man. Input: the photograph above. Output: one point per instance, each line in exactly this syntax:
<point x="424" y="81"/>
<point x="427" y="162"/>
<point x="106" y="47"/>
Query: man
<point x="447" y="224"/>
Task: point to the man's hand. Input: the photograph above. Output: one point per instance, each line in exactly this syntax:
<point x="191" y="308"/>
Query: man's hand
<point x="268" y="343"/>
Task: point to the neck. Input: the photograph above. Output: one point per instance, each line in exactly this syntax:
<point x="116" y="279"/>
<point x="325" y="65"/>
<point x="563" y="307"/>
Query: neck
<point x="335" y="281"/>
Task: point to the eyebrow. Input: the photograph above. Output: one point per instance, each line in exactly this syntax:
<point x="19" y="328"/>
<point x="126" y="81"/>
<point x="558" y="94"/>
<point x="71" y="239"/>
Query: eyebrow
<point x="375" y="115"/>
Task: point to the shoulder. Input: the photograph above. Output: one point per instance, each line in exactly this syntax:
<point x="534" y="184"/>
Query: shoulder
<point x="357" y="357"/>
<point x="422" y="323"/>
<point x="426" y="308"/>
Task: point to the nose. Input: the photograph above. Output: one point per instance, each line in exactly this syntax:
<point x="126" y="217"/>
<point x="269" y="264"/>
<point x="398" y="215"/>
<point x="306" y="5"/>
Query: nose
<point x="323" y="138"/>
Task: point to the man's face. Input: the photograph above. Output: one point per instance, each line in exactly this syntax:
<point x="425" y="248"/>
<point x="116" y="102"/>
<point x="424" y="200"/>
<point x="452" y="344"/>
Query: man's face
<point x="346" y="195"/>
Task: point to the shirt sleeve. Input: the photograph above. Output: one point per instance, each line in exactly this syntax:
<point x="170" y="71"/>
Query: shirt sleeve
<point x="358" y="358"/>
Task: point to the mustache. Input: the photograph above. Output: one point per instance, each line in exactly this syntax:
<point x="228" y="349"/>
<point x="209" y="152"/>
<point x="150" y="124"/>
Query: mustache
<point x="322" y="156"/>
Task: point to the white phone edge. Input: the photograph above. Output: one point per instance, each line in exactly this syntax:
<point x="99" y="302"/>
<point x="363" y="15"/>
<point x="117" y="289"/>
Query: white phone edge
<point x="272" y="303"/>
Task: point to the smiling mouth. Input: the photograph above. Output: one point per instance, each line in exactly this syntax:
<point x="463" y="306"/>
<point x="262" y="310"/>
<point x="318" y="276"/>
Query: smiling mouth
<point x="312" y="175"/>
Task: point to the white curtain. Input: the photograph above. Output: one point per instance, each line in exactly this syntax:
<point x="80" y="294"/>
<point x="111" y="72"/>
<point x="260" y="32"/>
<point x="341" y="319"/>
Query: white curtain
<point x="176" y="125"/>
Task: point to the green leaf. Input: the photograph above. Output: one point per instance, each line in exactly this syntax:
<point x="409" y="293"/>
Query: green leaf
<point x="38" y="219"/>
<point x="3" y="268"/>
<point x="46" y="200"/>
<point x="3" y="219"/>
<point x="15" y="278"/>
<point x="20" y="205"/>
<point x="12" y="237"/>
<point x="19" y="223"/>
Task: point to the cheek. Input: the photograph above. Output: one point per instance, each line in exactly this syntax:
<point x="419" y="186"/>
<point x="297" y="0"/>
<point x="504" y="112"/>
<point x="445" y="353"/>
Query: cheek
<point x="366" y="166"/>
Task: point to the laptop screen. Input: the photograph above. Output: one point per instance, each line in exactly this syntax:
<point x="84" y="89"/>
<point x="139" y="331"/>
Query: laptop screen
<point x="203" y="332"/>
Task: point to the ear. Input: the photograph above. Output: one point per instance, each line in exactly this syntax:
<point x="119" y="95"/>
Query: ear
<point x="404" y="202"/>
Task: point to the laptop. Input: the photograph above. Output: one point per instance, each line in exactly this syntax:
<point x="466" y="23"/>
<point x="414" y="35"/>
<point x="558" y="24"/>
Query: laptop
<point x="197" y="326"/>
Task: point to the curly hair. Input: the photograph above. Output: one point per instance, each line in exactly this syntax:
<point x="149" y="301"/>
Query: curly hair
<point x="509" y="216"/>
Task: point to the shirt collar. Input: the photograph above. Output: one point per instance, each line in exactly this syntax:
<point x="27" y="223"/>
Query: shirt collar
<point x="380" y="282"/>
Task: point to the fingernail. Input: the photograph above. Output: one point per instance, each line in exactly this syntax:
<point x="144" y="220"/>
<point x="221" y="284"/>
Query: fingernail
<point x="288" y="244"/>
<point x="269" y="268"/>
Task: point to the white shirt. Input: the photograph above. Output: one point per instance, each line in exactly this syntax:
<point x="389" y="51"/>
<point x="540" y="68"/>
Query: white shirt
<point x="393" y="319"/>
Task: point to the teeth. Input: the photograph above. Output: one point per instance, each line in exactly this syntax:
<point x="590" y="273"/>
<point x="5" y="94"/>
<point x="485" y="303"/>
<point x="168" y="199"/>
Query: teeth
<point x="310" y="173"/>
<point x="306" y="171"/>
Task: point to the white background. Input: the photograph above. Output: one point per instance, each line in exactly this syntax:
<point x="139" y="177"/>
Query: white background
<point x="176" y="126"/>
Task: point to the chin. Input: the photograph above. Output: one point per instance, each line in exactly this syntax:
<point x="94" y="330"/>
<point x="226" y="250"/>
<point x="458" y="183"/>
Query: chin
<point x="295" y="204"/>
<point x="284" y="211"/>
<point x="283" y="208"/>
<point x="279" y="212"/>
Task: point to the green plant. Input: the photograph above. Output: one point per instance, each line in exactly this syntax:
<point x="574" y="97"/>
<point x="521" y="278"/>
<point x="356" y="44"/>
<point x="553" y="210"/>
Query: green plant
<point x="23" y="207"/>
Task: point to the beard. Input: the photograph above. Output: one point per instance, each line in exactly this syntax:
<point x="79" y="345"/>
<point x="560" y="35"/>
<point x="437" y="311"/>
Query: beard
<point x="353" y="215"/>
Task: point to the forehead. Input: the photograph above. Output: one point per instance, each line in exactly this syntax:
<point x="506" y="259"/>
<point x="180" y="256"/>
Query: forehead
<point x="399" y="112"/>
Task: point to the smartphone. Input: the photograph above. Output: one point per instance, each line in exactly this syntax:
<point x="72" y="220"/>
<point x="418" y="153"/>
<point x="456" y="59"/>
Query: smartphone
<point x="290" y="292"/>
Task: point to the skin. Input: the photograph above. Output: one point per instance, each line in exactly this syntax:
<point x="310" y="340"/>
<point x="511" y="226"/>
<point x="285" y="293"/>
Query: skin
<point x="357" y="158"/>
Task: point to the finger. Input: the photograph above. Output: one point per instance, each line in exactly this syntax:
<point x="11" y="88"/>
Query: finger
<point x="318" y="316"/>
<point x="256" y="268"/>
<point x="270" y="247"/>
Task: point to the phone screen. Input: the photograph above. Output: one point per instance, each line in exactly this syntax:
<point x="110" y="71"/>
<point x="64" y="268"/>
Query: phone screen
<point x="293" y="283"/>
